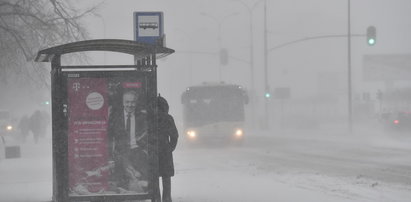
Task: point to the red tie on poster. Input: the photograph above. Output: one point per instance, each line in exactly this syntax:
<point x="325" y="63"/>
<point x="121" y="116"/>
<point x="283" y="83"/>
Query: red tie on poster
<point x="87" y="136"/>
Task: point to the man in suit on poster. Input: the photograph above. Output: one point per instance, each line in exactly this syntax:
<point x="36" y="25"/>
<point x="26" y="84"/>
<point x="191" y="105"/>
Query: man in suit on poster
<point x="128" y="144"/>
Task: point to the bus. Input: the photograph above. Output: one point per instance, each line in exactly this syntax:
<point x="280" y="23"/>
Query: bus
<point x="214" y="112"/>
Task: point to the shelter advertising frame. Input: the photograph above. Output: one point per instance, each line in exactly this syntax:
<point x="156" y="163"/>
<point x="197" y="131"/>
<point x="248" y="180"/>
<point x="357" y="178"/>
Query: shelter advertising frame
<point x="97" y="167"/>
<point x="88" y="151"/>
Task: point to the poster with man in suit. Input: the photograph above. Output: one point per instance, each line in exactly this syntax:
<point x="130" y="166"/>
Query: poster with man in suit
<point x="107" y="136"/>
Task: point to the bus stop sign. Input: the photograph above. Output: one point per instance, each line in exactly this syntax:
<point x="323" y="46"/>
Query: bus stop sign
<point x="148" y="27"/>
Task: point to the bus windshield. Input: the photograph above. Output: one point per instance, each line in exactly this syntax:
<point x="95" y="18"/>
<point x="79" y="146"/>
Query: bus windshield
<point x="206" y="105"/>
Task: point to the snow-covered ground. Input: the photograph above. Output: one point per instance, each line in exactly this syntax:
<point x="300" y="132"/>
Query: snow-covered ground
<point x="28" y="178"/>
<point x="326" y="165"/>
<point x="299" y="166"/>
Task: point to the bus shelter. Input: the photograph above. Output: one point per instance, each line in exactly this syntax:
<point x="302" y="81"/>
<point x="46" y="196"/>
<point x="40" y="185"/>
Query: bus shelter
<point x="96" y="157"/>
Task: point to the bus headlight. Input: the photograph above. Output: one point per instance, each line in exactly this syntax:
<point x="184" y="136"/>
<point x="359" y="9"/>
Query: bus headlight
<point x="191" y="134"/>
<point x="238" y="133"/>
<point x="9" y="127"/>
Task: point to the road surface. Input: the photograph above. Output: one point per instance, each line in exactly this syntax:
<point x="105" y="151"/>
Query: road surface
<point x="290" y="165"/>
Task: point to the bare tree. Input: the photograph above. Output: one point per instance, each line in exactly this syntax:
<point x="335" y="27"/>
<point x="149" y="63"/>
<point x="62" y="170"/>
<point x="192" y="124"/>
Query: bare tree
<point x="26" y="26"/>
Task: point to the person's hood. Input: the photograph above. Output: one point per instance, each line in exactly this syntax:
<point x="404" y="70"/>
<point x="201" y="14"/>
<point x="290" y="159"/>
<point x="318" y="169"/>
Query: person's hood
<point x="162" y="104"/>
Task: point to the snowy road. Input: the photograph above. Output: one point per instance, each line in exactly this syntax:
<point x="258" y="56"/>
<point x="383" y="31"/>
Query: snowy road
<point x="335" y="154"/>
<point x="278" y="166"/>
<point x="299" y="166"/>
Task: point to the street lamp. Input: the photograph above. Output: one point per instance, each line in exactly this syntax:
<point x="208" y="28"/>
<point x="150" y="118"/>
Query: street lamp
<point x="349" y="81"/>
<point x="219" y="22"/>
<point x="266" y="85"/>
<point x="250" y="14"/>
<point x="252" y="87"/>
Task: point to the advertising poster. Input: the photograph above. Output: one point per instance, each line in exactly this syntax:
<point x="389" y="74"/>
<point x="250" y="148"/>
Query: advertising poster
<point x="107" y="135"/>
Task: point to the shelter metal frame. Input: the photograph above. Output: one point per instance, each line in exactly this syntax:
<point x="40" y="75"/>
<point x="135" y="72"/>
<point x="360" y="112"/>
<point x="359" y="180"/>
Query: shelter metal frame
<point x="145" y="56"/>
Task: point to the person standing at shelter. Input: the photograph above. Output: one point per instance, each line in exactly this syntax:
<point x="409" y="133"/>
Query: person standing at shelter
<point x="167" y="139"/>
<point x="128" y="144"/>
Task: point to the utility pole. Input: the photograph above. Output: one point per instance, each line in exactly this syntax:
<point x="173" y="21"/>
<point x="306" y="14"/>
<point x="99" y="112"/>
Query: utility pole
<point x="252" y="91"/>
<point x="266" y="86"/>
<point x="349" y="69"/>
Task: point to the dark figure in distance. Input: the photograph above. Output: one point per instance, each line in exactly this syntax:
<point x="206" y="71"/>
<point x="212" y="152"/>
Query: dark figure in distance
<point x="168" y="136"/>
<point x="24" y="126"/>
<point x="39" y="121"/>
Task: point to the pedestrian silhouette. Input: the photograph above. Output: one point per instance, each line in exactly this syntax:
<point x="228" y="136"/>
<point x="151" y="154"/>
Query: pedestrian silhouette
<point x="167" y="139"/>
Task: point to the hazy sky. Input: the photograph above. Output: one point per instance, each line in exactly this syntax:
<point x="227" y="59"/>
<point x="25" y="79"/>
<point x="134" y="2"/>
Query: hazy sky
<point x="192" y="26"/>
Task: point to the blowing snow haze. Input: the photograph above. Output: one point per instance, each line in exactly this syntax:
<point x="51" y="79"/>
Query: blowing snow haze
<point x="306" y="43"/>
<point x="318" y="115"/>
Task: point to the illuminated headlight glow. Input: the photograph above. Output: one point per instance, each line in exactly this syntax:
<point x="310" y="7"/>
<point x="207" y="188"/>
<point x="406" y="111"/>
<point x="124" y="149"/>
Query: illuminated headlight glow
<point x="9" y="127"/>
<point x="239" y="133"/>
<point x="191" y="134"/>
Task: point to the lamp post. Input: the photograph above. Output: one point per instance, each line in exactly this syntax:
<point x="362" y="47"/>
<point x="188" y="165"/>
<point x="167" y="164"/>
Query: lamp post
<point x="266" y="85"/>
<point x="219" y="23"/>
<point x="252" y="83"/>
<point x="349" y="69"/>
<point x="250" y="14"/>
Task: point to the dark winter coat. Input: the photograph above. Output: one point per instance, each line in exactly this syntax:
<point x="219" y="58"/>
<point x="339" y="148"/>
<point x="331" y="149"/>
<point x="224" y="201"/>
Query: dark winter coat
<point x="168" y="136"/>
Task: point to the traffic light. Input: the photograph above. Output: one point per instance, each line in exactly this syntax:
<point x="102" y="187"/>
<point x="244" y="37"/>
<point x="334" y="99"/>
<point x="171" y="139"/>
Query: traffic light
<point x="371" y="35"/>
<point x="223" y="56"/>
<point x="45" y="102"/>
<point x="267" y="95"/>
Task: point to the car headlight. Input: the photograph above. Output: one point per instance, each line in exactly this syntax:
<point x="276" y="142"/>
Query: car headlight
<point x="9" y="127"/>
<point x="239" y="133"/>
<point x="191" y="134"/>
